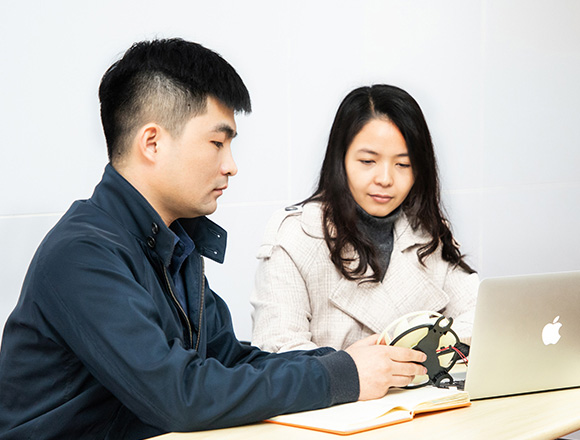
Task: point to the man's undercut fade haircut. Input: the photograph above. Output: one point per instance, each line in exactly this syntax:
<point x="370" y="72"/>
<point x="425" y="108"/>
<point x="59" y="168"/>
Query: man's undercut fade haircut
<point x="166" y="82"/>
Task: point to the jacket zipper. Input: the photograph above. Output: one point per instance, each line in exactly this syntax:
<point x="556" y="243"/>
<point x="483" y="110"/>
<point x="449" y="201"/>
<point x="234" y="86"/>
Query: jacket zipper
<point x="180" y="309"/>
<point x="201" y="301"/>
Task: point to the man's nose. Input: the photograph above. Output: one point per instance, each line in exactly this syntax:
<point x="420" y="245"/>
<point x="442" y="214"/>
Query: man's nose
<point x="229" y="167"/>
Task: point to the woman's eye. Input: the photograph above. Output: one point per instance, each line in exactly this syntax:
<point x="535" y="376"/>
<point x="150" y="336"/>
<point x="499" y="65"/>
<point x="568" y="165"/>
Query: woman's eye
<point x="367" y="162"/>
<point x="404" y="165"/>
<point x="218" y="144"/>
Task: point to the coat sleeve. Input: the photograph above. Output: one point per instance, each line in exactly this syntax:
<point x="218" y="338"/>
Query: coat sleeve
<point x="462" y="289"/>
<point x="113" y="326"/>
<point x="282" y="311"/>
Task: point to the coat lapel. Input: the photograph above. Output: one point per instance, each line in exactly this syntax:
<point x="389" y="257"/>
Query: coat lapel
<point x="407" y="286"/>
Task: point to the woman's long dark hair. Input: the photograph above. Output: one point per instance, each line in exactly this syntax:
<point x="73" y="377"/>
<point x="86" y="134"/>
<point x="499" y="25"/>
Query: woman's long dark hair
<point x="422" y="206"/>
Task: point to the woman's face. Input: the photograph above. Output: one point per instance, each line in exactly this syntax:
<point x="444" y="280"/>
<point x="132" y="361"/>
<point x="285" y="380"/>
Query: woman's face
<point x="378" y="168"/>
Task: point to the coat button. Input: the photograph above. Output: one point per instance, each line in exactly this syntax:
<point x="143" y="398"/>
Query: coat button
<point x="155" y="228"/>
<point x="151" y="242"/>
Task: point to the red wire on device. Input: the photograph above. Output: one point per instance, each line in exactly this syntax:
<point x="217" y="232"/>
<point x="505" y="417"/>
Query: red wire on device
<point x="456" y="350"/>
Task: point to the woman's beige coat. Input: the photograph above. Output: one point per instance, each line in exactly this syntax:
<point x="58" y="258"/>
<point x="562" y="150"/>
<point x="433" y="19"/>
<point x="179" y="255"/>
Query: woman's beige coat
<point x="301" y="301"/>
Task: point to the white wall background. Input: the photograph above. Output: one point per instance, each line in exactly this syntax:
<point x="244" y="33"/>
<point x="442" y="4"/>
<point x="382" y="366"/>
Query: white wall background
<point x="498" y="80"/>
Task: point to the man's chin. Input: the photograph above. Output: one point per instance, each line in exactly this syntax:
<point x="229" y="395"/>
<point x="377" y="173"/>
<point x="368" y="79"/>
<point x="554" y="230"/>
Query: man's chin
<point x="210" y="208"/>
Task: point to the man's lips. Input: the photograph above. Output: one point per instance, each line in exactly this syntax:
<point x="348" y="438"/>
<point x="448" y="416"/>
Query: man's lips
<point x="221" y="190"/>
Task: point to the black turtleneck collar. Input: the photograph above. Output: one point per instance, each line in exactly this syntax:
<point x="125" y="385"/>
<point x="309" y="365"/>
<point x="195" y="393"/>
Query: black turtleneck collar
<point x="379" y="230"/>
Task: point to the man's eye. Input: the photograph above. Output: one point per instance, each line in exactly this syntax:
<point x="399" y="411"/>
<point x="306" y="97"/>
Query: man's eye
<point x="218" y="144"/>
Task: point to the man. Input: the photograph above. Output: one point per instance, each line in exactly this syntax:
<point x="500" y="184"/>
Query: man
<point x="116" y="333"/>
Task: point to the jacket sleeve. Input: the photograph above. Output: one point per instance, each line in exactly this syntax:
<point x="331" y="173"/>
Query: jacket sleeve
<point x="224" y="346"/>
<point x="112" y="324"/>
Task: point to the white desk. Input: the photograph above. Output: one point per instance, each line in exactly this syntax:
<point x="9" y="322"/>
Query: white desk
<point x="541" y="416"/>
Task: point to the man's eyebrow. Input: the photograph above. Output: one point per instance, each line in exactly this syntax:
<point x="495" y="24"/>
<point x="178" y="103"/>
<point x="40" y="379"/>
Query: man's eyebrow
<point x="226" y="129"/>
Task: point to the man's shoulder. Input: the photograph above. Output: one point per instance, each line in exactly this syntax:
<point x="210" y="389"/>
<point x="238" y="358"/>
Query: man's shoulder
<point x="83" y="231"/>
<point x="83" y="248"/>
<point x="86" y="218"/>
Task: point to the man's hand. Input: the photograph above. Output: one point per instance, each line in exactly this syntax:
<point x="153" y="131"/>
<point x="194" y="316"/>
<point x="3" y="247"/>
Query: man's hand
<point x="381" y="367"/>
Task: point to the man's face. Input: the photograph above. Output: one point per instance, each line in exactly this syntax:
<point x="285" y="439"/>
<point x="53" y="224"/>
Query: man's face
<point x="195" y="166"/>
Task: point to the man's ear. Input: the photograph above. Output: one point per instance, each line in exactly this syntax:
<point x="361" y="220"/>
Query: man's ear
<point x="148" y="140"/>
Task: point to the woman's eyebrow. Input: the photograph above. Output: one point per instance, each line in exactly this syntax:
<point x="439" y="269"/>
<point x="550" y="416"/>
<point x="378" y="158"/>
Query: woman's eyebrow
<point x="368" y="151"/>
<point x="374" y="153"/>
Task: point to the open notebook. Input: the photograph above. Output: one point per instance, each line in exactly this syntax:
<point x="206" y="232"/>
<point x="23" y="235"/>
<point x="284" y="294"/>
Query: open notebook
<point x="398" y="406"/>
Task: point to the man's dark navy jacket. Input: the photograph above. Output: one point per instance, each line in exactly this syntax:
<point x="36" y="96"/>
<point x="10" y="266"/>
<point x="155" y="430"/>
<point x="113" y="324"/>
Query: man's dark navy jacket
<point x="98" y="347"/>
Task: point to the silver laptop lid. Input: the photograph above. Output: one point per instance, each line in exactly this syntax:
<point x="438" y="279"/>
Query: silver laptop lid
<point x="526" y="335"/>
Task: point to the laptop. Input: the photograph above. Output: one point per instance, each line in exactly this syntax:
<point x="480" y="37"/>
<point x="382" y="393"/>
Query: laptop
<point x="526" y="335"/>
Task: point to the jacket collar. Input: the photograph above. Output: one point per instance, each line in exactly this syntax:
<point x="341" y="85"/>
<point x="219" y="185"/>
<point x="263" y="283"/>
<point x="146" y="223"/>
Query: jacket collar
<point x="408" y="237"/>
<point x="121" y="200"/>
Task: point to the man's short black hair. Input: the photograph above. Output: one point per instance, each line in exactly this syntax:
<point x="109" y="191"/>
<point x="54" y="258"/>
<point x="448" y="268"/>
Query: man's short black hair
<point x="167" y="82"/>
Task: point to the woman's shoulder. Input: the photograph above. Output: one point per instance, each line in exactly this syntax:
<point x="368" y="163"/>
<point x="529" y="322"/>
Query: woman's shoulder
<point x="293" y="225"/>
<point x="305" y="219"/>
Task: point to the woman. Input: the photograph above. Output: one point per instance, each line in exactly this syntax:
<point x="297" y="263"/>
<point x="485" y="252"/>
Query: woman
<point x="371" y="244"/>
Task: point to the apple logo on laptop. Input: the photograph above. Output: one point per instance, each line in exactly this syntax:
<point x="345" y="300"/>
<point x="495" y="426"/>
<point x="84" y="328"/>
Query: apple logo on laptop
<point x="551" y="332"/>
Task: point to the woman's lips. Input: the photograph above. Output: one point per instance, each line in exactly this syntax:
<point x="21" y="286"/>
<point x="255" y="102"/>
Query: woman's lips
<point x="381" y="198"/>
